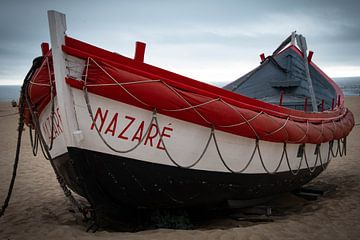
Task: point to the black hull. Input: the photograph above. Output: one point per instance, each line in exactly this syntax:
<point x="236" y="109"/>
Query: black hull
<point x="117" y="182"/>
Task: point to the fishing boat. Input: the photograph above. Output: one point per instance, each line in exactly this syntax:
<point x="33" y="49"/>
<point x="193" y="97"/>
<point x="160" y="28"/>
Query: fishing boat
<point x="125" y="134"/>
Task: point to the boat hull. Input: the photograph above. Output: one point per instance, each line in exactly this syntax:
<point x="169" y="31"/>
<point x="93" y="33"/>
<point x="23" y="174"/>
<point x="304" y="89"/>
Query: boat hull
<point x="146" y="178"/>
<point x="127" y="135"/>
<point x="114" y="181"/>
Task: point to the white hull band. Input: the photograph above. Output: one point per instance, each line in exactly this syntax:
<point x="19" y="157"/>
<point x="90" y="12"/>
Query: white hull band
<point x="126" y="131"/>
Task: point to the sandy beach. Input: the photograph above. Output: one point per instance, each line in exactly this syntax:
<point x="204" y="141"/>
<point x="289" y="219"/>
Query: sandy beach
<point x="39" y="210"/>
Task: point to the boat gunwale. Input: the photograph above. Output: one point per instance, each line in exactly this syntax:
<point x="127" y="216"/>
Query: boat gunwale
<point x="72" y="46"/>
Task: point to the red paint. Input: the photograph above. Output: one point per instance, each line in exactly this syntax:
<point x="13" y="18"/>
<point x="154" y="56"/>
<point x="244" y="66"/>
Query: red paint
<point x="281" y="97"/>
<point x="84" y="50"/>
<point x="332" y="104"/>
<point x="311" y="53"/>
<point x="57" y="121"/>
<point x="262" y="57"/>
<point x="139" y="132"/>
<point x="151" y="72"/>
<point x="112" y="125"/>
<point x="164" y="135"/>
<point x="140" y="51"/>
<point x="59" y="116"/>
<point x="132" y="129"/>
<point x="121" y="135"/>
<point x="150" y="136"/>
<point x="338" y="101"/>
<point x="44" y="48"/>
<point x="160" y="96"/>
<point x="305" y="104"/>
<point x="57" y="127"/>
<point x="202" y="89"/>
<point x="102" y="119"/>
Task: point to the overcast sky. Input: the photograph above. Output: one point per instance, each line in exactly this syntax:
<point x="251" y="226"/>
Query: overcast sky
<point x="211" y="41"/>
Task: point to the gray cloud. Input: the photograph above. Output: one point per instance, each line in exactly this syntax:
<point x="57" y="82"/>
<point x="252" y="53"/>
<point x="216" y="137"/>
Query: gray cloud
<point x="211" y="32"/>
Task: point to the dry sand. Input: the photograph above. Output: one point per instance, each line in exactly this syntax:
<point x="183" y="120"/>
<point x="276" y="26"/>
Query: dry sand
<point x="38" y="209"/>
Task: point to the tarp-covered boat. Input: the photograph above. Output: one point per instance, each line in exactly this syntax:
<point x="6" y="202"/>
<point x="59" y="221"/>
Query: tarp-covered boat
<point x="126" y="134"/>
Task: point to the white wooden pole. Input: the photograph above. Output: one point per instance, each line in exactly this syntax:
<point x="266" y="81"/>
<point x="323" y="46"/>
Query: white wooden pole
<point x="57" y="27"/>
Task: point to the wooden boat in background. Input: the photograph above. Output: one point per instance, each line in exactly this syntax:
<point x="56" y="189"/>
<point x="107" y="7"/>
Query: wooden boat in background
<point x="125" y="134"/>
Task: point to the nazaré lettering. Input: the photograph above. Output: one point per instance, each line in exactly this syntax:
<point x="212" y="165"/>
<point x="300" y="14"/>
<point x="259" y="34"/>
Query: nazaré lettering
<point x="102" y="118"/>
<point x="112" y="126"/>
<point x="139" y="132"/>
<point x="47" y="126"/>
<point x="160" y="145"/>
<point x="57" y="121"/>
<point x="151" y="136"/>
<point x="121" y="135"/>
<point x="132" y="129"/>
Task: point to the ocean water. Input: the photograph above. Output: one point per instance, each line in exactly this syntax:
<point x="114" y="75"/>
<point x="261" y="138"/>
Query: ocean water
<point x="9" y="92"/>
<point x="349" y="85"/>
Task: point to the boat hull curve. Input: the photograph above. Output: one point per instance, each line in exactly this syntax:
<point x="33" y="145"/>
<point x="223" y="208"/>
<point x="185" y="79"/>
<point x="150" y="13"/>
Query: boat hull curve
<point x="110" y="180"/>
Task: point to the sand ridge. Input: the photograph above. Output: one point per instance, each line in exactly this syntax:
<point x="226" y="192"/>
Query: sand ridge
<point x="38" y="209"/>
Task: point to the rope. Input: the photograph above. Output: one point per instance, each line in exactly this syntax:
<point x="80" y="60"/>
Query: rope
<point x="172" y="159"/>
<point x="100" y="135"/>
<point x="20" y="130"/>
<point x="224" y="162"/>
<point x="242" y="116"/>
<point x="263" y="164"/>
<point x="34" y="141"/>
<point x="40" y="84"/>
<point x="296" y="172"/>
<point x="212" y="136"/>
<point x="119" y="84"/>
<point x="339" y="152"/>
<point x="37" y="140"/>
<point x="186" y="101"/>
<point x="46" y="152"/>
<point x="191" y="107"/>
<point x="125" y="83"/>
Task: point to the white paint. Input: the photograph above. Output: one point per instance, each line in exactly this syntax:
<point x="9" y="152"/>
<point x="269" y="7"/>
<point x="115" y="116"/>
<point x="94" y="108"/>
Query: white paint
<point x="57" y="27"/>
<point x="59" y="145"/>
<point x="75" y="67"/>
<point x="78" y="136"/>
<point x="187" y="141"/>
